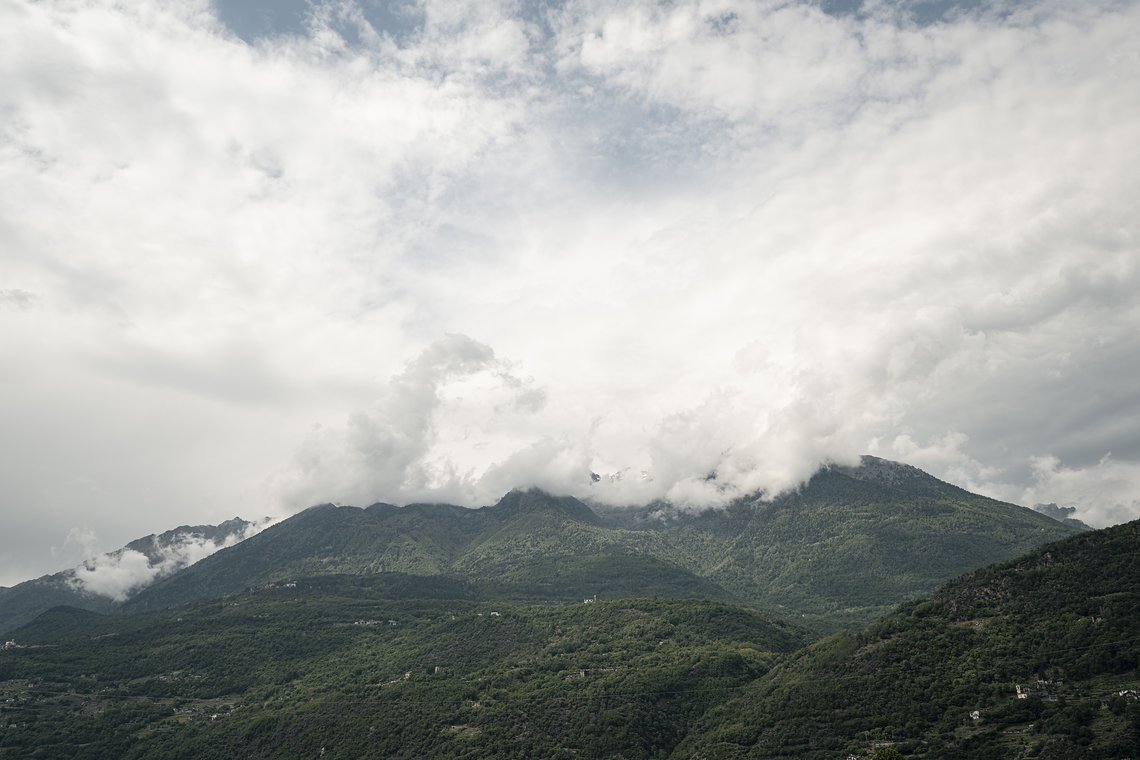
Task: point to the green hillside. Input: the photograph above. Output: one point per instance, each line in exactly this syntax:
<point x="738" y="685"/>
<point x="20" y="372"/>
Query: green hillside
<point x="848" y="546"/>
<point x="1062" y="624"/>
<point x="844" y="549"/>
<point x="402" y="665"/>
<point x="380" y="666"/>
<point x="24" y="601"/>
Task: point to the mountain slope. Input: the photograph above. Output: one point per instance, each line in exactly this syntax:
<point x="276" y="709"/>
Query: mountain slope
<point x="24" y="601"/>
<point x="1059" y="624"/>
<point x="850" y="544"/>
<point x="422" y="539"/>
<point x="847" y="547"/>
<point x="101" y="583"/>
<point x="497" y="543"/>
<point x="349" y="667"/>
<point x="395" y="665"/>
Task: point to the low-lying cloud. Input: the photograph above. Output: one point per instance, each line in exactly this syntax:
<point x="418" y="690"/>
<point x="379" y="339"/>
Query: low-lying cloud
<point x="122" y="573"/>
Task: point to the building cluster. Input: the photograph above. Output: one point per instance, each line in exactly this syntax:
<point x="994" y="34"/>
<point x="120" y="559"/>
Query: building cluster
<point x="1041" y="688"/>
<point x="375" y="622"/>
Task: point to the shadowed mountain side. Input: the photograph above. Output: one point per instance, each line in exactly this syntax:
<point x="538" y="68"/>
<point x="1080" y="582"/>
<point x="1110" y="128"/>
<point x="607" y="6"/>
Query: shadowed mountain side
<point x="322" y="540"/>
<point x="528" y="546"/>
<point x="941" y="678"/>
<point x="24" y="601"/>
<point x="422" y="539"/>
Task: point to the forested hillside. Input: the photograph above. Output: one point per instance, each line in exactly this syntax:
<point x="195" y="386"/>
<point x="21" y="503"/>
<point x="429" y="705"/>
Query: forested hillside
<point x="941" y="677"/>
<point x="397" y="665"/>
<point x="384" y="666"/>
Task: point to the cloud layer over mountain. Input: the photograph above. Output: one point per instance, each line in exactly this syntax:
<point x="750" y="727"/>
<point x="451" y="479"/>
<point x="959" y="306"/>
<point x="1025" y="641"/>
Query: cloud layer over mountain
<point x="435" y="250"/>
<point x="120" y="573"/>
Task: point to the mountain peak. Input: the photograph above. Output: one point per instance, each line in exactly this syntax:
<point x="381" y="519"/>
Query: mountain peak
<point x="156" y="545"/>
<point x="534" y="500"/>
<point x="104" y="581"/>
<point x="1061" y="514"/>
<point x="886" y="472"/>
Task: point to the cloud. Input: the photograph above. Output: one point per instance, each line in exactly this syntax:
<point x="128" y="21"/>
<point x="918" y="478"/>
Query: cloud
<point x="121" y="573"/>
<point x="1103" y="494"/>
<point x="684" y="239"/>
<point x="410" y="443"/>
<point x="764" y="61"/>
<point x="18" y="299"/>
<point x="947" y="456"/>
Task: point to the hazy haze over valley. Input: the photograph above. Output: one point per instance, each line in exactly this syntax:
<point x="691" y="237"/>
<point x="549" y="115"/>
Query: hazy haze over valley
<point x="255" y="256"/>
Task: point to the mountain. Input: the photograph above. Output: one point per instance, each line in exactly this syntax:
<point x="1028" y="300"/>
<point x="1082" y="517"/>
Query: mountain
<point x="1062" y="514"/>
<point x="417" y="666"/>
<point x="941" y="678"/>
<point x="843" y="549"/>
<point x="850" y="544"/>
<point x="24" y="601"/>
<point x="157" y="547"/>
<point x="101" y="583"/>
<point x="511" y="545"/>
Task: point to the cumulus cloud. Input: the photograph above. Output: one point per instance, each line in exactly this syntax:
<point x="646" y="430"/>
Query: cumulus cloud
<point x="694" y="239"/>
<point x="1104" y="493"/>
<point x="411" y="443"/>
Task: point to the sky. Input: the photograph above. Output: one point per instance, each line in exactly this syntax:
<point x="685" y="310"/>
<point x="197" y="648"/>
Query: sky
<point x="260" y="255"/>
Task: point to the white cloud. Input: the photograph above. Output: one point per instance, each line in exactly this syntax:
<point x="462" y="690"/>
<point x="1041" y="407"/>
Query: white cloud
<point x="774" y="62"/>
<point x="685" y="238"/>
<point x="1104" y="493"/>
<point x="120" y="574"/>
<point x="442" y="412"/>
<point x="947" y="456"/>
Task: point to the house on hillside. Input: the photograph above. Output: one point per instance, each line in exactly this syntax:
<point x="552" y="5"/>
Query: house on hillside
<point x="1041" y="688"/>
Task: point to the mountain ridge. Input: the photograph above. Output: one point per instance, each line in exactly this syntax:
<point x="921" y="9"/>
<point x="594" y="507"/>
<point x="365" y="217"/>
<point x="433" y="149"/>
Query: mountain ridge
<point x="845" y="547"/>
<point x="24" y="601"/>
